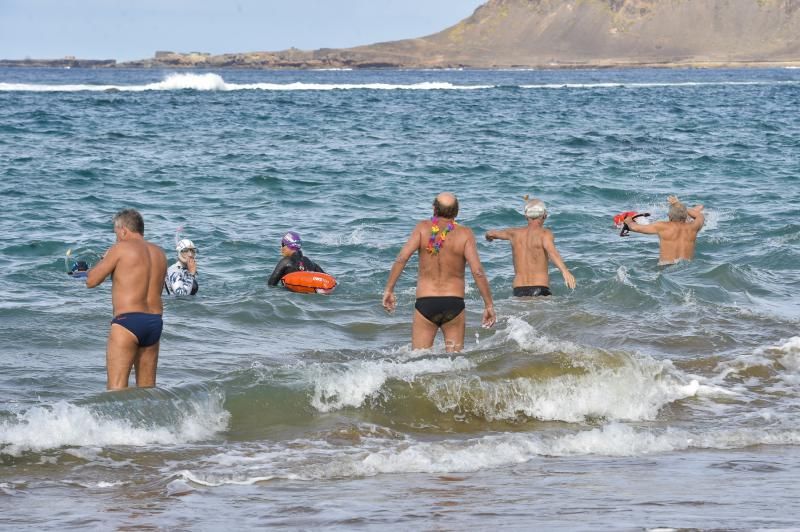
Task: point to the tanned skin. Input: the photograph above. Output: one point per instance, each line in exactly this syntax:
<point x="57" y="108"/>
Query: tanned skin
<point x="532" y="247"/>
<point x="138" y="269"/>
<point x="676" y="238"/>
<point x="439" y="275"/>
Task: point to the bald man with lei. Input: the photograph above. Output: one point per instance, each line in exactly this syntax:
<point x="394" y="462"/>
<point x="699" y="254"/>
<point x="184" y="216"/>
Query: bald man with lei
<point x="445" y="248"/>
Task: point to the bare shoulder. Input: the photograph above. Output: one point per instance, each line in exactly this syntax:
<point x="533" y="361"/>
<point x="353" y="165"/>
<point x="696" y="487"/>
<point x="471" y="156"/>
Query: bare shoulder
<point x="465" y="233"/>
<point x="158" y="250"/>
<point x="661" y="225"/>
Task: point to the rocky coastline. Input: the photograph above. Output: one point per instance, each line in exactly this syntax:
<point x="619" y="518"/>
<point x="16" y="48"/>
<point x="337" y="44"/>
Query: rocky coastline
<point x="545" y="34"/>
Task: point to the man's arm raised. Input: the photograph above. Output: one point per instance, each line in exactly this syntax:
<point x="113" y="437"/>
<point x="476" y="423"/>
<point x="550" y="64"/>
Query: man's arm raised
<point x="498" y="234"/>
<point x="104" y="268"/>
<point x="474" y="261"/>
<point x="698" y="218"/>
<point x="549" y="244"/>
<point x="412" y="245"/>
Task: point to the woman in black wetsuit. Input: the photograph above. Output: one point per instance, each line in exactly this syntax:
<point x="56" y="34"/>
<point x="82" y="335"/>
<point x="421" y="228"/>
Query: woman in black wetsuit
<point x="293" y="259"/>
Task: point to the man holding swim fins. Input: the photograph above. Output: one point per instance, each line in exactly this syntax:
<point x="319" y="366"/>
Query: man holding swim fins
<point x="677" y="236"/>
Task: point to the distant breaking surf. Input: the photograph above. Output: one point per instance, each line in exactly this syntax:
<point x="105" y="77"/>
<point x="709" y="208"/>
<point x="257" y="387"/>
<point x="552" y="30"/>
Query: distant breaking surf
<point x="214" y="82"/>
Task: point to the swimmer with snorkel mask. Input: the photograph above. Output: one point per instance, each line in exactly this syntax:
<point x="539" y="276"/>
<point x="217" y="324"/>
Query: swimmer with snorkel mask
<point x="181" y="279"/>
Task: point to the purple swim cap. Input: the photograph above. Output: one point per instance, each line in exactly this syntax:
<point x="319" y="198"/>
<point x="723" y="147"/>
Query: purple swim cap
<point x="292" y="240"/>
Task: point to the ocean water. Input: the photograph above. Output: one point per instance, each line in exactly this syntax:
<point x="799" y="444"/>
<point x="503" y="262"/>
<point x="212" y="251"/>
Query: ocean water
<point x="647" y="398"/>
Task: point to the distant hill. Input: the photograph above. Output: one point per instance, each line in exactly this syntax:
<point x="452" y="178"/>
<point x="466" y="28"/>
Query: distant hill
<point x="564" y="33"/>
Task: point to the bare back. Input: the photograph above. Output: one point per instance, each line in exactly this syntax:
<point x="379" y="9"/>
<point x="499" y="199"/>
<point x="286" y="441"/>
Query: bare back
<point x="677" y="241"/>
<point x="138" y="268"/>
<point x="530" y="256"/>
<point x="442" y="274"/>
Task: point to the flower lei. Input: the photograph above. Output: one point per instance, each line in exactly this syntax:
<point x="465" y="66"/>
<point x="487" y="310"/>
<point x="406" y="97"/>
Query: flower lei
<point x="438" y="235"/>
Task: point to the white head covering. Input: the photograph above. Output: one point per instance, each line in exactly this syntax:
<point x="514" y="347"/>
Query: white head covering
<point x="534" y="208"/>
<point x="184" y="244"/>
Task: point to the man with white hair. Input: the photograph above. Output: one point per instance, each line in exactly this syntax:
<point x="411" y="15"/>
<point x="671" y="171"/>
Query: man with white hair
<point x="677" y="237"/>
<point x="531" y="247"/>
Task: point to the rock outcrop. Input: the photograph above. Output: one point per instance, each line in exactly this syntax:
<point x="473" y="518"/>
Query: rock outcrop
<point x="562" y="33"/>
<point x="567" y="33"/>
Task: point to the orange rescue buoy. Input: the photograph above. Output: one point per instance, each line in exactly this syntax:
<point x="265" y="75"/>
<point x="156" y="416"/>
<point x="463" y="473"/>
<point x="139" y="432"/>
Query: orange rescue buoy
<point x="309" y="282"/>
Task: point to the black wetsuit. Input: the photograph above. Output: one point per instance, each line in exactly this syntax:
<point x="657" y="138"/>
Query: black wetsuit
<point x="295" y="262"/>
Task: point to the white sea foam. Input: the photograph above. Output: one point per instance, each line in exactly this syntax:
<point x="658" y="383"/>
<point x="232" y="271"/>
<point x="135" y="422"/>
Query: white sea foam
<point x="104" y="484"/>
<point x="350" y="384"/>
<point x="773" y="370"/>
<point x="215" y="82"/>
<point x="65" y="424"/>
<point x="356" y="237"/>
<point x="618" y="85"/>
<point x="314" y="460"/>
<point x="298" y="86"/>
<point x="791" y="359"/>
<point x="637" y="390"/>
<point x="598" y="384"/>
<point x="622" y="276"/>
<point x="528" y="339"/>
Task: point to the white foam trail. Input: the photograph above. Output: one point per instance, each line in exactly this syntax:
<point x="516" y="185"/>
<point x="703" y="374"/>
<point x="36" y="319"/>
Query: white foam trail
<point x="315" y="460"/>
<point x="613" y="386"/>
<point x="636" y="391"/>
<point x="792" y="350"/>
<point x="783" y="359"/>
<point x="423" y="86"/>
<point x="356" y="237"/>
<point x="619" y="85"/>
<point x="349" y="385"/>
<point x="65" y="424"/>
<point x="528" y="339"/>
<point x="215" y="82"/>
<point x="622" y="276"/>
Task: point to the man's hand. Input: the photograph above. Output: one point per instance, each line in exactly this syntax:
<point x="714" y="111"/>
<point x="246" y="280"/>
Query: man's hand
<point x="569" y="279"/>
<point x="389" y="301"/>
<point x="489" y="236"/>
<point x="672" y="200"/>
<point x="489" y="316"/>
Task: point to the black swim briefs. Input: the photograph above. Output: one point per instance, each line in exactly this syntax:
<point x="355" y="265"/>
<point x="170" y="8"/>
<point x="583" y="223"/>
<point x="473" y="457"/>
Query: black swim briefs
<point x="440" y="310"/>
<point x="531" y="291"/>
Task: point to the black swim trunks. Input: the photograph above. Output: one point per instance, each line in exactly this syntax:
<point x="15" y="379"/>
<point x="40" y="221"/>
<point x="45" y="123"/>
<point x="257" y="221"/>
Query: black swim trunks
<point x="531" y="291"/>
<point x="440" y="310"/>
<point x="146" y="327"/>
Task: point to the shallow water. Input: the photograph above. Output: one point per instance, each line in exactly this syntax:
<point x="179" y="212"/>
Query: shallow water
<point x="647" y="397"/>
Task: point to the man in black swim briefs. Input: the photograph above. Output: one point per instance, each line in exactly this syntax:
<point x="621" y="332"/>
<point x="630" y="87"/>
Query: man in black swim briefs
<point x="138" y="268"/>
<point x="532" y="246"/>
<point x="445" y="248"/>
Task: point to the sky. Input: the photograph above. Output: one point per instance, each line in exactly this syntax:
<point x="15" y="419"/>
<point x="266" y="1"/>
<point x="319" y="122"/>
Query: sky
<point x="135" y="29"/>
